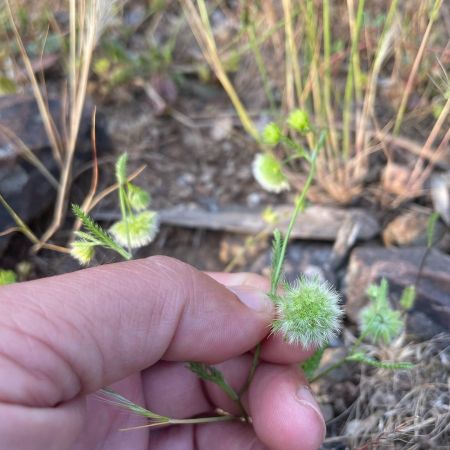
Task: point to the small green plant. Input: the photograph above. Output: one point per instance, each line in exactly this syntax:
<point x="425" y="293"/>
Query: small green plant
<point x="379" y="322"/>
<point x="7" y="277"/>
<point x="138" y="225"/>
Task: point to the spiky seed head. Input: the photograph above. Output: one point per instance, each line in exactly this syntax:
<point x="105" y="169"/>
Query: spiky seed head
<point x="268" y="172"/>
<point x="308" y="312"/>
<point x="298" y="120"/>
<point x="7" y="277"/>
<point x="380" y="323"/>
<point x="140" y="228"/>
<point x="82" y="251"/>
<point x="139" y="199"/>
<point x="271" y="134"/>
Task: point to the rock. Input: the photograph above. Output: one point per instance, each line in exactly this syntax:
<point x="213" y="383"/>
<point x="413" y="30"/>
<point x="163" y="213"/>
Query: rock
<point x="406" y="229"/>
<point x="431" y="312"/>
<point x="315" y="223"/>
<point x="301" y="258"/>
<point x="22" y="185"/>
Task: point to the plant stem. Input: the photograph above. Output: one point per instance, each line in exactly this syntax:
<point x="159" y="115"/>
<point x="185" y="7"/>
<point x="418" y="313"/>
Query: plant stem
<point x="334" y="366"/>
<point x="410" y="83"/>
<point x="203" y="420"/>
<point x="253" y="367"/>
<point x="299" y="204"/>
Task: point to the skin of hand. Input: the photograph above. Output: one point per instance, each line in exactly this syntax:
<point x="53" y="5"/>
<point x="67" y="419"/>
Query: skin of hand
<point x="132" y="326"/>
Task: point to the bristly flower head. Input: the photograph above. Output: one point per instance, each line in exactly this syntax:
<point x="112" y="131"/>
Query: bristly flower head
<point x="83" y="251"/>
<point x="271" y="134"/>
<point x="299" y="121"/>
<point x="308" y="312"/>
<point x="140" y="229"/>
<point x="268" y="173"/>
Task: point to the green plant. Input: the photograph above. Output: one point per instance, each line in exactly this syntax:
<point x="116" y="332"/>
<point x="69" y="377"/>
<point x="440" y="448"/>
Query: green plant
<point x="137" y="227"/>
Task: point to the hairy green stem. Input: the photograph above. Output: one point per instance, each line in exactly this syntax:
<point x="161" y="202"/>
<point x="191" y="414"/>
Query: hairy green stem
<point x="299" y="205"/>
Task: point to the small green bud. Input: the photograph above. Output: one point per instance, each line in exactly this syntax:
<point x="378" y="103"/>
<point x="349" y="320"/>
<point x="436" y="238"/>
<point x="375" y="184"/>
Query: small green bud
<point x="141" y="229"/>
<point x="138" y="198"/>
<point x="7" y="277"/>
<point x="102" y="66"/>
<point x="271" y="134"/>
<point x="82" y="251"/>
<point x="408" y="297"/>
<point x="308" y="312"/>
<point x="298" y="120"/>
<point x="268" y="173"/>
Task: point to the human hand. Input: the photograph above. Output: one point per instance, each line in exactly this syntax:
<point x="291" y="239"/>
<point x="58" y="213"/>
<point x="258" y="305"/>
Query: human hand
<point x="133" y="325"/>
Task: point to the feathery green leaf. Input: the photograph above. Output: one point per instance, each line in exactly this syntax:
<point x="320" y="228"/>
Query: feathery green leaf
<point x="96" y="234"/>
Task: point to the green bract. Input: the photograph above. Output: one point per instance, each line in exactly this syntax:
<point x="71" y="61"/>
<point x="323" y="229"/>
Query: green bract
<point x="268" y="173"/>
<point x="136" y="231"/>
<point x="308" y="312"/>
<point x="7" y="277"/>
<point x="271" y="134"/>
<point x="138" y="198"/>
<point x="299" y="121"/>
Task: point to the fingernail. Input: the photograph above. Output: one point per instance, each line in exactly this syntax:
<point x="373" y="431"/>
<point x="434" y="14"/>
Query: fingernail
<point x="307" y="399"/>
<point x="254" y="299"/>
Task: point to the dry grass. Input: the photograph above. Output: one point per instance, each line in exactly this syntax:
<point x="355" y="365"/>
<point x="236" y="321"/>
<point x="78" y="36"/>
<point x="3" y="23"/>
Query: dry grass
<point x="405" y="409"/>
<point x="88" y="18"/>
<point x="341" y="88"/>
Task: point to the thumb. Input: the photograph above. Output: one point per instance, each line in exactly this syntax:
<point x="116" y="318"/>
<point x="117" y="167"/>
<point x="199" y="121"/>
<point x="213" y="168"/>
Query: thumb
<point x="72" y="334"/>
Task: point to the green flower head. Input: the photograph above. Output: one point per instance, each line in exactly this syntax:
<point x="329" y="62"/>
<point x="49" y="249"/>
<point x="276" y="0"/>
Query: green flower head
<point x="271" y="134"/>
<point x="308" y="312"/>
<point x="139" y="199"/>
<point x="268" y="173"/>
<point x="82" y="251"/>
<point x="136" y="230"/>
<point x="298" y="120"/>
<point x="7" y="277"/>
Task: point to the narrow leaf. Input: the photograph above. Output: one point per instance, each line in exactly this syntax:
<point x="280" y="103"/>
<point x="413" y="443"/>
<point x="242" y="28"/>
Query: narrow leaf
<point x="364" y="359"/>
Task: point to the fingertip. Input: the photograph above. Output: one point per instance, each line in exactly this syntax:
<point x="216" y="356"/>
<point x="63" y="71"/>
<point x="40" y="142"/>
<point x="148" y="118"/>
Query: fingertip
<point x="284" y="412"/>
<point x="241" y="279"/>
<point x="275" y="350"/>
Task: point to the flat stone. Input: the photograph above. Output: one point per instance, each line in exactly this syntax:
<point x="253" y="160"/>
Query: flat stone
<point x="315" y="223"/>
<point x="431" y="312"/>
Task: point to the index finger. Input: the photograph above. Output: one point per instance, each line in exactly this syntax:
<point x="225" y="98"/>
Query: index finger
<point x="73" y="334"/>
